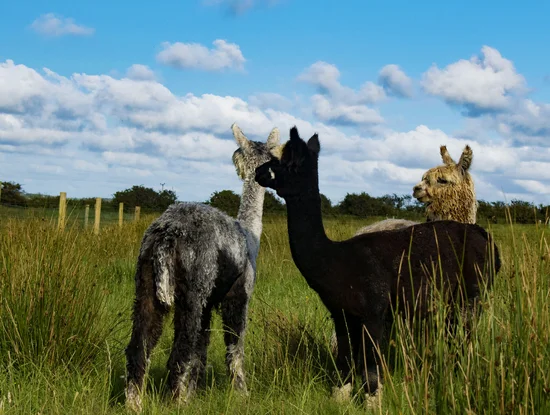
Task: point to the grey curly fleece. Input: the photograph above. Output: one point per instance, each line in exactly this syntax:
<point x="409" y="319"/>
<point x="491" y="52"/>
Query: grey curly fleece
<point x="194" y="258"/>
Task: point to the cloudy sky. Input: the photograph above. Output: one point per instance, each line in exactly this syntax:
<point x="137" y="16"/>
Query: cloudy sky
<point x="97" y="96"/>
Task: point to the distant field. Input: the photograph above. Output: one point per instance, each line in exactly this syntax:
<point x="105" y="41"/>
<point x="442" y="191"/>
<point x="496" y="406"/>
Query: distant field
<point x="65" y="303"/>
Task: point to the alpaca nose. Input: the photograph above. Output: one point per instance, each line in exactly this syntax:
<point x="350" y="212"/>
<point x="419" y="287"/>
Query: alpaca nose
<point x="416" y="188"/>
<point x="262" y="175"/>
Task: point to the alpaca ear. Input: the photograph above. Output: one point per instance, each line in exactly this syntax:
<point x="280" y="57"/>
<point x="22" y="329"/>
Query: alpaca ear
<point x="447" y="159"/>
<point x="277" y="151"/>
<point x="294" y="136"/>
<point x="313" y="143"/>
<point x="274" y="137"/>
<point x="240" y="137"/>
<point x="466" y="158"/>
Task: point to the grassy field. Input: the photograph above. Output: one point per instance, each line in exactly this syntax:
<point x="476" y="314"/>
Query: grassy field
<point x="65" y="303"/>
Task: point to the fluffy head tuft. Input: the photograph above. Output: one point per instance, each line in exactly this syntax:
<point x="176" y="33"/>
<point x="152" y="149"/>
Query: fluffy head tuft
<point x="251" y="154"/>
<point x="448" y="190"/>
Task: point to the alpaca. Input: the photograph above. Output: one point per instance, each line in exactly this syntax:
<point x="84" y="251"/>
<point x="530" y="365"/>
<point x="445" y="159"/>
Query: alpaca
<point x="194" y="258"/>
<point x="446" y="190"/>
<point x="359" y="280"/>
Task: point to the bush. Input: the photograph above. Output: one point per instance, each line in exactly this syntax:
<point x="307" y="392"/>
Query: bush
<point x="12" y="194"/>
<point x="326" y="205"/>
<point x="364" y="205"/>
<point x="145" y="197"/>
<point x="227" y="201"/>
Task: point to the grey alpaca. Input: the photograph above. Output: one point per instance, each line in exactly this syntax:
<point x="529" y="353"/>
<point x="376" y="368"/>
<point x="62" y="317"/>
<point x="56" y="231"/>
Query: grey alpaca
<point x="194" y="258"/>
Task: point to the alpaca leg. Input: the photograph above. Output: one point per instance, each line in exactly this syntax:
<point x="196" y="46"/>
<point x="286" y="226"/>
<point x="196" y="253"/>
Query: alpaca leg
<point x="234" y="315"/>
<point x="148" y="317"/>
<point x="369" y="360"/>
<point x="203" y="342"/>
<point x="346" y="336"/>
<point x="184" y="362"/>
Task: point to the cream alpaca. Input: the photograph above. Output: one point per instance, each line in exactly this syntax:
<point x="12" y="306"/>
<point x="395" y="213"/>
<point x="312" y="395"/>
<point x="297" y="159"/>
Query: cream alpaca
<point x="446" y="190"/>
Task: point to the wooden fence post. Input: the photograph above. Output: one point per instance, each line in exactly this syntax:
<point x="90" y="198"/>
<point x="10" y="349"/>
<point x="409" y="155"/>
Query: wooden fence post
<point x="137" y="212"/>
<point x="120" y="214"/>
<point x="86" y="214"/>
<point x="62" y="210"/>
<point x="97" y="217"/>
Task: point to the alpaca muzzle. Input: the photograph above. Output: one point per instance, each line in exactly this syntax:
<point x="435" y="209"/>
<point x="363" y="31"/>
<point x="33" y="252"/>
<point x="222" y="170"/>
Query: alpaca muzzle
<point x="265" y="176"/>
<point x="420" y="193"/>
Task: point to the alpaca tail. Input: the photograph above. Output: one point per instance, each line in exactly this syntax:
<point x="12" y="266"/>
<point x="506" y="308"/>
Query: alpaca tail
<point x="164" y="266"/>
<point x="497" y="261"/>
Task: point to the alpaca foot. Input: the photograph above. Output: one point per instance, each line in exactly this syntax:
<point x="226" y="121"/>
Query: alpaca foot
<point x="373" y="401"/>
<point x="184" y="392"/>
<point x="239" y="384"/>
<point x="133" y="398"/>
<point x="341" y="394"/>
<point x="236" y="369"/>
<point x="185" y="385"/>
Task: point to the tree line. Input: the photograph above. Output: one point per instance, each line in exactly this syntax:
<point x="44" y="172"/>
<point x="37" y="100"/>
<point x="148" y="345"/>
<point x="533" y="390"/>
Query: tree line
<point x="360" y="205"/>
<point x="150" y="200"/>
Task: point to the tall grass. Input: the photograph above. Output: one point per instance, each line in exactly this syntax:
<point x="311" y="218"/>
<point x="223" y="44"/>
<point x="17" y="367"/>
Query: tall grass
<point x="65" y="320"/>
<point x="52" y="302"/>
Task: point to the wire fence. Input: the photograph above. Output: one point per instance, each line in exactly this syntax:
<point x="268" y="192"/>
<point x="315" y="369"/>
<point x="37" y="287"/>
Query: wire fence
<point x="72" y="216"/>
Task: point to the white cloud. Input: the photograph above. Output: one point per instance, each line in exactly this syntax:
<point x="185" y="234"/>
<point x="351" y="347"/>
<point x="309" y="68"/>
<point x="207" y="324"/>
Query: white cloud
<point x="527" y="122"/>
<point x="482" y="84"/>
<point x="326" y="77"/>
<point x="197" y="146"/>
<point x="132" y="159"/>
<point x="43" y="136"/>
<point x="395" y="81"/>
<point x="10" y="122"/>
<point x="93" y="167"/>
<point x="534" y="186"/>
<point x="490" y="90"/>
<point x="50" y="24"/>
<point x="139" y="132"/>
<point x="341" y="114"/>
<point x="267" y="100"/>
<point x="47" y="169"/>
<point x="371" y="171"/>
<point x="539" y="170"/>
<point x="224" y="55"/>
<point x="323" y="75"/>
<point x="340" y="104"/>
<point x="139" y="72"/>
<point x="132" y="172"/>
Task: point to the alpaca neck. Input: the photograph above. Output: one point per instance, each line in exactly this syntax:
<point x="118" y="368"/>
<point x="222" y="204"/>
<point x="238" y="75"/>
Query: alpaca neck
<point x="462" y="208"/>
<point x="306" y="234"/>
<point x="251" y="208"/>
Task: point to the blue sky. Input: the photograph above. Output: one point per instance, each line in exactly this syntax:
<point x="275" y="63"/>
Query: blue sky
<point x="98" y="96"/>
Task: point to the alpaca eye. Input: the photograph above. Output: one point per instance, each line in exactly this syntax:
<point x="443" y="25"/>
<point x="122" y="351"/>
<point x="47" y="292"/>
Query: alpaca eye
<point x="440" y="180"/>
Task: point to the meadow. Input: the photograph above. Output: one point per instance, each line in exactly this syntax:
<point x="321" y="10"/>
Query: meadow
<point x="65" y="304"/>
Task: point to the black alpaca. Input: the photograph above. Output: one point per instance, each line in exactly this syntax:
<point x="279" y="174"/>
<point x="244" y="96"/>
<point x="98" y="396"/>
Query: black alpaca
<point x="362" y="279"/>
